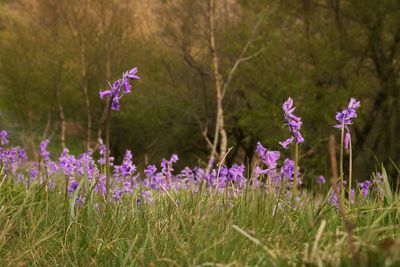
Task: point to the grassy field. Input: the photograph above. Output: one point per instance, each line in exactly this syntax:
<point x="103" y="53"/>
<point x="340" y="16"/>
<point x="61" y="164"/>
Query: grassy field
<point x="89" y="211"/>
<point x="39" y="227"/>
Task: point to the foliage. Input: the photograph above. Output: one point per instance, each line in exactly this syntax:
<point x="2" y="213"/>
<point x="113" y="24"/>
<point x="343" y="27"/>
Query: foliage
<point x="252" y="229"/>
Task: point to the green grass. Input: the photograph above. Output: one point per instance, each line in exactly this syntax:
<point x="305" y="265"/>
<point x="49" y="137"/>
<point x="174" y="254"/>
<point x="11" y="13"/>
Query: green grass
<point x="189" y="229"/>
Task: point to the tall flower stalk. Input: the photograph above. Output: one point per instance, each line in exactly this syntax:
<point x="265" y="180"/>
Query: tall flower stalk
<point x="269" y="158"/>
<point x="344" y="119"/>
<point x="108" y="124"/>
<point x="117" y="90"/>
<point x="296" y="169"/>
<point x="294" y="123"/>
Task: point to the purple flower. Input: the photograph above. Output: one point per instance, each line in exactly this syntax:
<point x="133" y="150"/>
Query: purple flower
<point x="364" y="186"/>
<point x="320" y="179"/>
<point x="259" y="171"/>
<point x="127" y="86"/>
<point x="102" y="152"/>
<point x="67" y="163"/>
<point x="287" y="170"/>
<point x="43" y="150"/>
<point x="115" y="104"/>
<point x="132" y="74"/>
<point x="146" y="196"/>
<point x="174" y="158"/>
<point x="334" y="198"/>
<point x="115" y="91"/>
<point x="85" y="165"/>
<point x="344" y="119"/>
<point x="269" y="158"/>
<point x="3" y="137"/>
<point x="166" y="165"/>
<point x="105" y="93"/>
<point x="127" y="168"/>
<point x="22" y="154"/>
<point x="10" y="159"/>
<point x="150" y="170"/>
<point x="293" y="122"/>
<point x="34" y="171"/>
<point x="347" y="138"/>
<point x="50" y="166"/>
<point x="73" y="185"/>
<point x="236" y="174"/>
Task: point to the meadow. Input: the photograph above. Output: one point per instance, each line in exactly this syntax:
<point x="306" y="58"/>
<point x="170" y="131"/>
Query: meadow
<point x="90" y="211"/>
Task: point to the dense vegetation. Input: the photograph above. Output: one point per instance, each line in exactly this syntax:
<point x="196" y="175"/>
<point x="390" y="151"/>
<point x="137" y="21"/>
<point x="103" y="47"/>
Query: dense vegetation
<point x="212" y="230"/>
<point x="55" y="56"/>
<point x="54" y="214"/>
<point x="204" y="80"/>
<point x="72" y="211"/>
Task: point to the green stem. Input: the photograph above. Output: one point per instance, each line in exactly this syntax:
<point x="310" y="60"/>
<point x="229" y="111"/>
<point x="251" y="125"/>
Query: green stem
<point x="296" y="171"/>
<point x="66" y="188"/>
<point x="269" y="184"/>
<point x="350" y="170"/>
<point x="108" y="182"/>
<point x="341" y="162"/>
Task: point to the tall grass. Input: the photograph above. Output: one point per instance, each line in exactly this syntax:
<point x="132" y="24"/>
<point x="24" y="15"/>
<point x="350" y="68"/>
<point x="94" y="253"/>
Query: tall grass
<point x="185" y="228"/>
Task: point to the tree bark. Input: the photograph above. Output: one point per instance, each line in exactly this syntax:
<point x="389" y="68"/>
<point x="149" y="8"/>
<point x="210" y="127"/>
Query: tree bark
<point x="61" y="116"/>
<point x="85" y="88"/>
<point x="220" y="124"/>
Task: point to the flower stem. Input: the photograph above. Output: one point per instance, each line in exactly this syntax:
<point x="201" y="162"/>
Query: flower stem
<point x="269" y="183"/>
<point x="341" y="162"/>
<point x="108" y="182"/>
<point x="66" y="188"/>
<point x="350" y="169"/>
<point x="296" y="171"/>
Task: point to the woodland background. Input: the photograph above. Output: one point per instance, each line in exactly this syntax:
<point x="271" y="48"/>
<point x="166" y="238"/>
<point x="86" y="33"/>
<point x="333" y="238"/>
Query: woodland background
<point x="55" y="56"/>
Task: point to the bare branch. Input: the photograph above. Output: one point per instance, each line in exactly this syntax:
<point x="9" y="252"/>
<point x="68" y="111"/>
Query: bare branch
<point x="236" y="66"/>
<point x="242" y="57"/>
<point x="208" y="141"/>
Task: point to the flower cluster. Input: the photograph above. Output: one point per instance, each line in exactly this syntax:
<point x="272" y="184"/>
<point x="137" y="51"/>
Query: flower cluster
<point x="126" y="180"/>
<point x="10" y="157"/>
<point x="3" y="138"/>
<point x="293" y="122"/>
<point x="376" y="184"/>
<point x="268" y="157"/>
<point x="87" y="170"/>
<point x="119" y="88"/>
<point x="333" y="198"/>
<point x="364" y="186"/>
<point x="345" y="117"/>
<point x="321" y="180"/>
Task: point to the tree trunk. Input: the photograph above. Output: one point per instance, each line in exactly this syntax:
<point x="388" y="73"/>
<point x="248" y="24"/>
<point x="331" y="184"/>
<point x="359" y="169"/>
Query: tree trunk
<point x="220" y="125"/>
<point x="62" y="119"/>
<point x="85" y="87"/>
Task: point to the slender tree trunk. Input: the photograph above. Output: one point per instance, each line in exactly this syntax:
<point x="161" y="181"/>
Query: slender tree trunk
<point x="32" y="136"/>
<point x="62" y="120"/>
<point x="85" y="87"/>
<point x="220" y="125"/>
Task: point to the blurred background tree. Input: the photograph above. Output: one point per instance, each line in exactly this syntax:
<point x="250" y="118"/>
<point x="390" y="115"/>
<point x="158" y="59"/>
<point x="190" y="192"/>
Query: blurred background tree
<point x="56" y="55"/>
